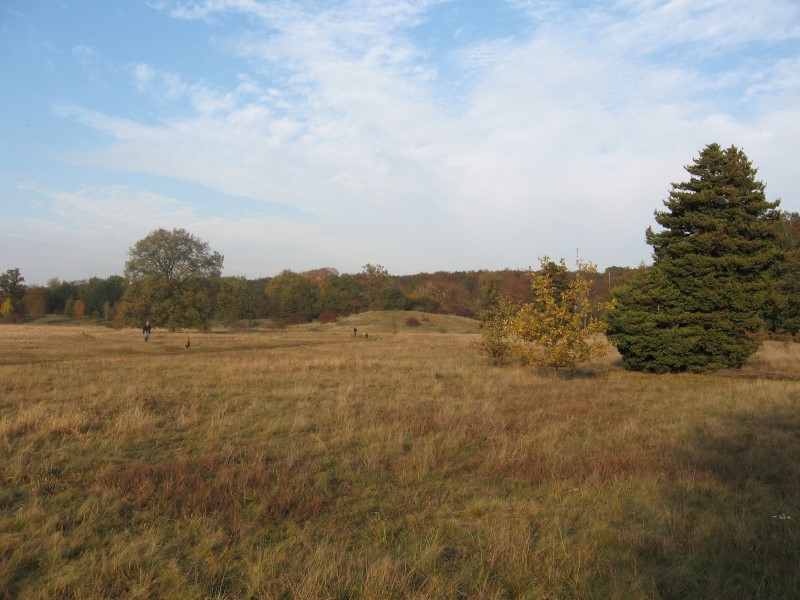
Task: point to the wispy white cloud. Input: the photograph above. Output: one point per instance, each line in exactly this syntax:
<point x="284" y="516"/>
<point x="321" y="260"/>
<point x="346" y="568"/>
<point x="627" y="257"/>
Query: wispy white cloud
<point x="567" y="134"/>
<point x="70" y="229"/>
<point x="207" y="9"/>
<point x="777" y="81"/>
<point x="162" y="86"/>
<point x="68" y="226"/>
<point x="95" y="209"/>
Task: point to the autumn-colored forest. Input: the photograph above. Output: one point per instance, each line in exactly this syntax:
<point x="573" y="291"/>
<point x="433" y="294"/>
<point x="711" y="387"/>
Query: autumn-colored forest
<point x="292" y="297"/>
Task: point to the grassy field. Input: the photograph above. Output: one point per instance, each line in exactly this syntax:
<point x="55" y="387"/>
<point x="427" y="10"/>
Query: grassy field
<point x="309" y="463"/>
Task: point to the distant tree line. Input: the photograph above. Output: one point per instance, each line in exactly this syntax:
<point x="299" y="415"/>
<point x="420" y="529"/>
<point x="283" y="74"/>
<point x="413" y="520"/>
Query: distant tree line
<point x="173" y="298"/>
<point x="726" y="267"/>
<point x="96" y="297"/>
<point x="325" y="294"/>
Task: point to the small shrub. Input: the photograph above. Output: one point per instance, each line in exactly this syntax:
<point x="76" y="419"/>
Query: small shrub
<point x="495" y="342"/>
<point x="412" y="322"/>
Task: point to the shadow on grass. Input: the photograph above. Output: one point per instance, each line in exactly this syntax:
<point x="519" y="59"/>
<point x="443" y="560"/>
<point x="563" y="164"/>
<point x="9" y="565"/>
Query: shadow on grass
<point x="571" y="373"/>
<point x="733" y="513"/>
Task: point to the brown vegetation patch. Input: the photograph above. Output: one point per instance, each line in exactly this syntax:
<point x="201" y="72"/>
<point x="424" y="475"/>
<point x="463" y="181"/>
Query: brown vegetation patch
<point x="758" y="374"/>
<point x="215" y="484"/>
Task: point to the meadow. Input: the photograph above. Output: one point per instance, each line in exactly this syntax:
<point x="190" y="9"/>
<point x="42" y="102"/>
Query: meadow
<point x="308" y="463"/>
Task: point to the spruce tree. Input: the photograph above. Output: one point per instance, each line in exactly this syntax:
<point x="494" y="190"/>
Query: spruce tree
<point x="710" y="282"/>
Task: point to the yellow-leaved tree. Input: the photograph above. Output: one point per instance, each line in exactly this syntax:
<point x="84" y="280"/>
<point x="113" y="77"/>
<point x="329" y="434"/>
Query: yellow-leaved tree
<point x="6" y="307"/>
<point x="557" y="328"/>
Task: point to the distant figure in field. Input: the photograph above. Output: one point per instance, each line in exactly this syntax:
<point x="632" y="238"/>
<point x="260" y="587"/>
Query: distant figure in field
<point x="146" y="330"/>
<point x="355" y="331"/>
<point x="187" y="344"/>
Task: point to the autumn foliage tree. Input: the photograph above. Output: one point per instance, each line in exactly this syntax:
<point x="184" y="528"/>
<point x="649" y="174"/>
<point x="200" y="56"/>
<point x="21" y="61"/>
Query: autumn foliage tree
<point x="36" y="301"/>
<point x="6" y="307"/>
<point x="557" y="329"/>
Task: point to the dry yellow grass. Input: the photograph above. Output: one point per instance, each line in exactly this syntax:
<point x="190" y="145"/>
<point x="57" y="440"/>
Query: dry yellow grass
<point x="308" y="463"/>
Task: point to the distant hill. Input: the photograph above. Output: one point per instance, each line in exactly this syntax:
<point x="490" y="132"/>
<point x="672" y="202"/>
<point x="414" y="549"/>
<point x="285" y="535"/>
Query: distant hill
<point x="399" y="321"/>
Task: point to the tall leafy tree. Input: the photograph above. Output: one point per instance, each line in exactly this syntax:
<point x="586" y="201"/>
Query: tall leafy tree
<point x="12" y="287"/>
<point x="172" y="277"/>
<point x="173" y="256"/>
<point x="710" y="283"/>
<point x="374" y="278"/>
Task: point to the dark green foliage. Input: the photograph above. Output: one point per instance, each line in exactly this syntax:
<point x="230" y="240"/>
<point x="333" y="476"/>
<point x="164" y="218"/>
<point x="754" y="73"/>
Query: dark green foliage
<point x="784" y="312"/>
<point x="392" y="298"/>
<point x="374" y="279"/>
<point x="12" y="286"/>
<point x="341" y="294"/>
<point x="655" y="333"/>
<point x="558" y="276"/>
<point x="60" y="293"/>
<point x="292" y="296"/>
<point x="99" y="295"/>
<point x="711" y="281"/>
<point x="789" y="230"/>
<point x="173" y="305"/>
<point x="97" y="292"/>
<point x="235" y="300"/>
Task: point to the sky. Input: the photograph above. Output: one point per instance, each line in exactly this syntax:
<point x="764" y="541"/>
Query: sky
<point x="420" y="135"/>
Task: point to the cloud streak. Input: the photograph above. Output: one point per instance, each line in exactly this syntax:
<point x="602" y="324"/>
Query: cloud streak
<point x="561" y="132"/>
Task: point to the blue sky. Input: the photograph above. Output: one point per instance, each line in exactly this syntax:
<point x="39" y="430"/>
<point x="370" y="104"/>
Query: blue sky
<point x="421" y="135"/>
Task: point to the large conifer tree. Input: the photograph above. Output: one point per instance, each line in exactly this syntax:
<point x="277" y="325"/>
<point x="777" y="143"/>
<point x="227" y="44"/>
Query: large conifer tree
<point x="709" y="284"/>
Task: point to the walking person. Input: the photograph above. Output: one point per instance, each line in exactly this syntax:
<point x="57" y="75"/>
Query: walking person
<point x="146" y="329"/>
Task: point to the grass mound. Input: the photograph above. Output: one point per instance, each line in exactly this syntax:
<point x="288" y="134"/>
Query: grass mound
<point x="399" y="321"/>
